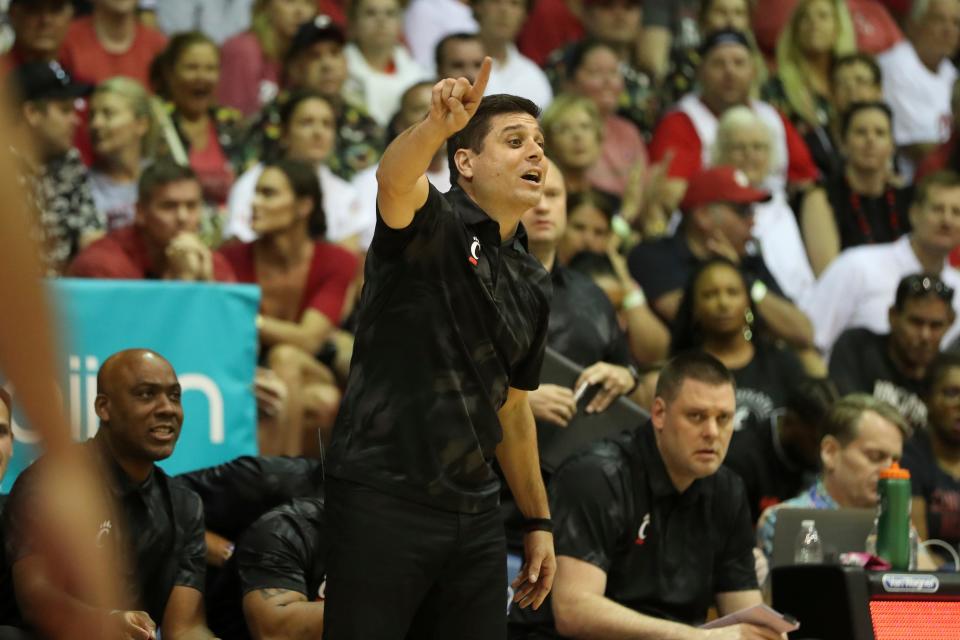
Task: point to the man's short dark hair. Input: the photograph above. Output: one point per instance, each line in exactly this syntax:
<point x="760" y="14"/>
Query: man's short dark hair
<point x="946" y="179"/>
<point x="462" y="36"/>
<point x="159" y="174"/>
<point x="851" y="59"/>
<point x="471" y="136"/>
<point x="694" y="365"/>
<point x="843" y="420"/>
<point x="943" y="363"/>
<point x="921" y="285"/>
<point x="811" y="399"/>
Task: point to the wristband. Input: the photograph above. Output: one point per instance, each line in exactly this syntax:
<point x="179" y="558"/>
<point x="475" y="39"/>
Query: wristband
<point x="634" y="299"/>
<point x="620" y="226"/>
<point x="537" y="524"/>
<point x="758" y="291"/>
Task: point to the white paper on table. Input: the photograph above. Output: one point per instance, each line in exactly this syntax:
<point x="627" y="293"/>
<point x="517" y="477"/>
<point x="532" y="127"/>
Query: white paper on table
<point x="760" y="615"/>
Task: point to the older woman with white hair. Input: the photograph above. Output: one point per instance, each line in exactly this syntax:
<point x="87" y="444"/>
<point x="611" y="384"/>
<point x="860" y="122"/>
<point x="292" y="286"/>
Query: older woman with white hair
<point x="745" y="142"/>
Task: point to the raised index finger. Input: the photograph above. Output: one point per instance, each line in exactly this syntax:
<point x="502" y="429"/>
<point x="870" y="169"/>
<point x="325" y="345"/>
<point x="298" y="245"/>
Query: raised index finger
<point x="480" y="84"/>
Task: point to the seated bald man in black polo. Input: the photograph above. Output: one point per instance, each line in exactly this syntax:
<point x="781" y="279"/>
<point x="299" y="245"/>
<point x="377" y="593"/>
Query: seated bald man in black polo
<point x="651" y="530"/>
<point x="155" y="524"/>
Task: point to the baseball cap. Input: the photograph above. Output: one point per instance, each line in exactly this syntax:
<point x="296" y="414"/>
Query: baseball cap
<point x="45" y="81"/>
<point x="721" y="184"/>
<point x="722" y="37"/>
<point x="320" y="29"/>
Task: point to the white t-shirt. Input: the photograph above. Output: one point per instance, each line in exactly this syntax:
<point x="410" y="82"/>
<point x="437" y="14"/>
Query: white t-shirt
<point x="775" y="228"/>
<point x="380" y="92"/>
<point x="919" y="98"/>
<point x="365" y="185"/>
<point x="859" y="287"/>
<point x="117" y="201"/>
<point x="520" y="76"/>
<point x="427" y="22"/>
<point x="341" y="205"/>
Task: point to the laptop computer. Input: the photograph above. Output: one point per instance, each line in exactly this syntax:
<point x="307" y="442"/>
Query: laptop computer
<point x="559" y="443"/>
<point x="841" y="531"/>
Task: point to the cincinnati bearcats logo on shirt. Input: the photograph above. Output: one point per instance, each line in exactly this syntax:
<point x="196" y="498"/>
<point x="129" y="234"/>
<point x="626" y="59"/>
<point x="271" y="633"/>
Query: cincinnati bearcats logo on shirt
<point x="642" y="531"/>
<point x="474" y="251"/>
<point x="105" y="528"/>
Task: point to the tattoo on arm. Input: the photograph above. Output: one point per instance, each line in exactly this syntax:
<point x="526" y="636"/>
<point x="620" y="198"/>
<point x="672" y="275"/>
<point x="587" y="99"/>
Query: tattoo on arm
<point x="269" y="594"/>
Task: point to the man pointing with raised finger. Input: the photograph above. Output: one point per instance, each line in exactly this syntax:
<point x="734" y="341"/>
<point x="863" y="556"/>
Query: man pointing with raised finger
<point x="452" y="327"/>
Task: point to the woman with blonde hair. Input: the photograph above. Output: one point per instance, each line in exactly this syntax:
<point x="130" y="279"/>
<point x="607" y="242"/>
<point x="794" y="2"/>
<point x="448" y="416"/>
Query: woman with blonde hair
<point x="744" y="141"/>
<point x="573" y="135"/>
<point x="251" y="61"/>
<point x="819" y="32"/>
<point x="123" y="134"/>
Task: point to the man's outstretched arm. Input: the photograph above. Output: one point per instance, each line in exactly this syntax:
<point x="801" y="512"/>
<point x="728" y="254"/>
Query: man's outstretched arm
<point x="401" y="177"/>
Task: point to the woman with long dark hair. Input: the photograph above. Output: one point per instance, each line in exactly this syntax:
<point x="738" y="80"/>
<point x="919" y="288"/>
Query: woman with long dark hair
<point x="304" y="282"/>
<point x="717" y="316"/>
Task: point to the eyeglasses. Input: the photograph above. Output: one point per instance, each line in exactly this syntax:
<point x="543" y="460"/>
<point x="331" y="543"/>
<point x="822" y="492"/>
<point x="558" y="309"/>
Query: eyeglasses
<point x="919" y="285"/>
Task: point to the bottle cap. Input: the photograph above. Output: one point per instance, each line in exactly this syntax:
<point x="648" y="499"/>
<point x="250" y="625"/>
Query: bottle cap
<point x="895" y="472"/>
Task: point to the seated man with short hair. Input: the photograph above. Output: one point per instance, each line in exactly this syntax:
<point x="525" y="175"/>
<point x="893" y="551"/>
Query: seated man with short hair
<point x="154" y="525"/>
<point x="162" y="242"/>
<point x="651" y="530"/>
<point x="861" y="437"/>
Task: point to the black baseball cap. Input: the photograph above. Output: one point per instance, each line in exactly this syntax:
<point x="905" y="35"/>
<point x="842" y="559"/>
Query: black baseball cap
<point x="45" y="81"/>
<point x="320" y="29"/>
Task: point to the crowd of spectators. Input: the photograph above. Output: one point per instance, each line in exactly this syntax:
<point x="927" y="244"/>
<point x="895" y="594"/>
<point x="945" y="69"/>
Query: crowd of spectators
<point x="773" y="183"/>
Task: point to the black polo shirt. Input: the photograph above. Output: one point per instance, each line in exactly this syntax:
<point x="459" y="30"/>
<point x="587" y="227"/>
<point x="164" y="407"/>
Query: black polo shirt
<point x="860" y="362"/>
<point x="769" y="473"/>
<point x="583" y="322"/>
<point x="236" y="493"/>
<point x="158" y="526"/>
<point x="449" y="319"/>
<point x="666" y="554"/>
<point x="665" y="264"/>
<point x="285" y="549"/>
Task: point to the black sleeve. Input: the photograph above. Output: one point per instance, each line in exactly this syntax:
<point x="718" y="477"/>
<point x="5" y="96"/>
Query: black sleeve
<point x="272" y="556"/>
<point x="921" y="470"/>
<point x="844" y="367"/>
<point x="390" y="243"/>
<point x="617" y="351"/>
<point x="588" y="511"/>
<point x="18" y="518"/>
<point x="526" y="375"/>
<point x="651" y="266"/>
<point x="734" y="568"/>
<point x="192" y="561"/>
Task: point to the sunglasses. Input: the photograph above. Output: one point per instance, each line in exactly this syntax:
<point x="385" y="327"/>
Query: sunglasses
<point x="919" y="285"/>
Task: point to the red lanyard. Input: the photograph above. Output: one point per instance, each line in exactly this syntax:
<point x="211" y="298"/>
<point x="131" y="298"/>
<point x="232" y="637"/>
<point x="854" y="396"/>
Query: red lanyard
<point x="856" y="206"/>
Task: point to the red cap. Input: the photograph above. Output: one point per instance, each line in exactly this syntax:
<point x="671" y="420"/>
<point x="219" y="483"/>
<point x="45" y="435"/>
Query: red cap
<point x="895" y="472"/>
<point x="721" y="184"/>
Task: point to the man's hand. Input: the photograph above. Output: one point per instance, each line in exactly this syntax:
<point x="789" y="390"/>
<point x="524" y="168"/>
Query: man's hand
<point x="533" y="583"/>
<point x="553" y="403"/>
<point x="270" y="391"/>
<point x="719" y="245"/>
<point x="455" y="100"/>
<point x="131" y="625"/>
<point x="219" y="549"/>
<point x="613" y="379"/>
<point x="742" y="632"/>
<point x="188" y="259"/>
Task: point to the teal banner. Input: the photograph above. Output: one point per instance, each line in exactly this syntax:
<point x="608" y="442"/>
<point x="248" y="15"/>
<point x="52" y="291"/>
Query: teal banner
<point x="206" y="331"/>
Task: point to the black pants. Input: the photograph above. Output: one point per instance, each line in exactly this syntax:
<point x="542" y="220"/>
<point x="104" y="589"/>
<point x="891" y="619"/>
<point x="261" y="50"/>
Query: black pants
<point x="397" y="569"/>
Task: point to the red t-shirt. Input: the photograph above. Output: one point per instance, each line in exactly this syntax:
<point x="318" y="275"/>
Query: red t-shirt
<point x="212" y="168"/>
<point x="122" y="255"/>
<point x="549" y="26"/>
<point x="676" y="132"/>
<point x="331" y="273"/>
<point x="244" y="72"/>
<point x="87" y="61"/>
